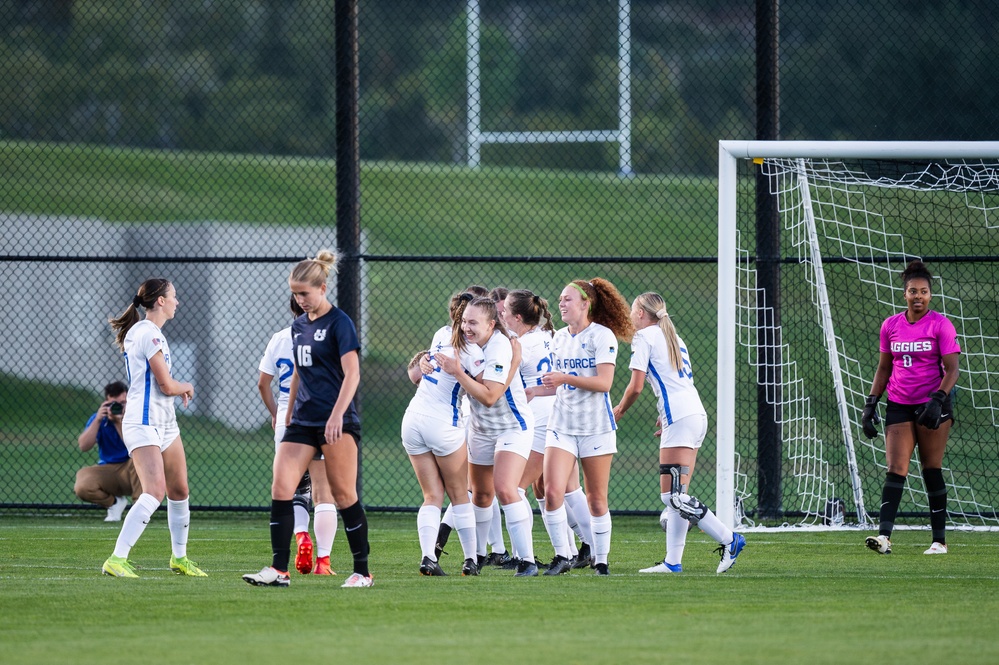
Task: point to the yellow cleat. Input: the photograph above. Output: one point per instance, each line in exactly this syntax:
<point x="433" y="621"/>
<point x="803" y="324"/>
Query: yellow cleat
<point x="185" y="566"/>
<point x="116" y="566"/>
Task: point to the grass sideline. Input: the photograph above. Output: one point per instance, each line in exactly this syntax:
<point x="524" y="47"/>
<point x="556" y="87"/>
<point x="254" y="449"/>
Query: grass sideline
<point x="792" y="597"/>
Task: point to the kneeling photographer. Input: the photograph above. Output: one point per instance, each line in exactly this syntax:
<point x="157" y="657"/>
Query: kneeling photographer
<point x="113" y="478"/>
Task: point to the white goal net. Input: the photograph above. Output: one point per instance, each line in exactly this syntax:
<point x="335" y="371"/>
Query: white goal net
<point x="848" y="219"/>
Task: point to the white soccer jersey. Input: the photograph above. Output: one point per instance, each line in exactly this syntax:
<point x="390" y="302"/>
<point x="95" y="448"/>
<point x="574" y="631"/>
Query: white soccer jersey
<point x="576" y="411"/>
<point x="675" y="392"/>
<point x="278" y="361"/>
<point x="510" y="412"/>
<point x="439" y="394"/>
<point x="147" y="405"/>
<point x="536" y="361"/>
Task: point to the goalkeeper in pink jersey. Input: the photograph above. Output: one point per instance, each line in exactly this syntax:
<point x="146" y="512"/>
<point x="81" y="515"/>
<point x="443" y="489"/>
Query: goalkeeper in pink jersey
<point x="918" y="366"/>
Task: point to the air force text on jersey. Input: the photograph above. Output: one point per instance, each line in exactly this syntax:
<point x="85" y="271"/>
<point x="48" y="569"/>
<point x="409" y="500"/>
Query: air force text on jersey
<point x="567" y="364"/>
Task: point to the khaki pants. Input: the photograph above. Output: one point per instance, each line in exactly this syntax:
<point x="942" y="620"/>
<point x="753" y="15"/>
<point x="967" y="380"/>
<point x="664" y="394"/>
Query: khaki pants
<point x="101" y="483"/>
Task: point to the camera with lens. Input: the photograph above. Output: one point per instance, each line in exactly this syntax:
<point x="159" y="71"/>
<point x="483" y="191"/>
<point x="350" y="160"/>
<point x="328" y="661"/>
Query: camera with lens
<point x="116" y="408"/>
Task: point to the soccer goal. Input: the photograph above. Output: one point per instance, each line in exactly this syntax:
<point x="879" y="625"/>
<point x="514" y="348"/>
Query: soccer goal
<point x="813" y="237"/>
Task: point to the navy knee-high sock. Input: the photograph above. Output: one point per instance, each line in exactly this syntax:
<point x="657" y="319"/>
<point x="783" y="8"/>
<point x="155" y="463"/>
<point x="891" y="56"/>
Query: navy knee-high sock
<point x="891" y="496"/>
<point x="355" y="523"/>
<point x="936" y="492"/>
<point x="282" y="526"/>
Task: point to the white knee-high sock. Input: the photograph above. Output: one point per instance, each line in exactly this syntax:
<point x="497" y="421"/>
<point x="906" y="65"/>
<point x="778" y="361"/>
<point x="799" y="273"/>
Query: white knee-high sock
<point x="496" y="541"/>
<point x="483" y="520"/>
<point x="518" y="524"/>
<point x="555" y="523"/>
<point x="676" y="535"/>
<point x="448" y="517"/>
<point x="570" y="536"/>
<point x="301" y="507"/>
<point x="527" y="504"/>
<point x="135" y="523"/>
<point x="428" y="520"/>
<point x="578" y="514"/>
<point x="179" y="519"/>
<point x="464" y="524"/>
<point x="601" y="537"/>
<point x="326" y="522"/>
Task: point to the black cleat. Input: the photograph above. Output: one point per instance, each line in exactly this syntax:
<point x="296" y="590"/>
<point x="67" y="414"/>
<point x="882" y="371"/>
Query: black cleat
<point x="601" y="569"/>
<point x="469" y="569"/>
<point x="583" y="559"/>
<point x="431" y="568"/>
<point x="526" y="569"/>
<point x="559" y="566"/>
<point x="497" y="559"/>
<point x="511" y="563"/>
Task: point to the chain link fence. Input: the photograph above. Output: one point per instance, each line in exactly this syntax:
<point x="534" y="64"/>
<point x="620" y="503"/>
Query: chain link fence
<point x="516" y="144"/>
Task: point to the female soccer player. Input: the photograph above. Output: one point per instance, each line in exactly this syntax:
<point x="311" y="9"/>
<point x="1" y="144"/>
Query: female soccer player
<point x="500" y="428"/>
<point x="149" y="428"/>
<point x="918" y="365"/>
<point x="582" y="424"/>
<point x="660" y="357"/>
<point x="526" y="315"/>
<point x="323" y="420"/>
<point x="433" y="434"/>
<point x="277" y="361"/>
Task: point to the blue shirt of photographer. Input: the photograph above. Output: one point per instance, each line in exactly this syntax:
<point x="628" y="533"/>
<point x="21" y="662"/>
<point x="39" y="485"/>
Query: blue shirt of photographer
<point x="110" y="448"/>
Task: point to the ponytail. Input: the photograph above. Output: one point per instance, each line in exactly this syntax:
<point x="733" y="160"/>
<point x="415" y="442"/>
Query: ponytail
<point x="149" y="292"/>
<point x="654" y="305"/>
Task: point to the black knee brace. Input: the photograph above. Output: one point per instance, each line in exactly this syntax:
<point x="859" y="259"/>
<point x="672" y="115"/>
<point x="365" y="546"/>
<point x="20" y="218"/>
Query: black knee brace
<point x="305" y="484"/>
<point x="675" y="471"/>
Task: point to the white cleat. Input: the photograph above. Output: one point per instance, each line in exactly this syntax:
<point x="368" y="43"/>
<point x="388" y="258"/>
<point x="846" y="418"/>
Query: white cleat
<point x="663" y="567"/>
<point x="116" y="509"/>
<point x="358" y="580"/>
<point x="879" y="544"/>
<point x="936" y="548"/>
<point x="268" y="577"/>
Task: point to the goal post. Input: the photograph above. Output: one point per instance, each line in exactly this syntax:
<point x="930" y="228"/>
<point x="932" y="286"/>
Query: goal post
<point x="851" y="215"/>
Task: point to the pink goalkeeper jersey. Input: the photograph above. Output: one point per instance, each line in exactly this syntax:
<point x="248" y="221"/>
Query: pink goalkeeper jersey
<point x="917" y="351"/>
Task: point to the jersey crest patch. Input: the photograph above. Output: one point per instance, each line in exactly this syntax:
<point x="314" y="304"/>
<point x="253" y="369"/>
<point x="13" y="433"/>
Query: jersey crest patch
<point x="319" y="335"/>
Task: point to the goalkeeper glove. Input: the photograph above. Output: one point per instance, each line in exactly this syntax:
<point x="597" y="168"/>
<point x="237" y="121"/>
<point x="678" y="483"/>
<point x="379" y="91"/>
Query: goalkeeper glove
<point x="870" y="417"/>
<point x="928" y="415"/>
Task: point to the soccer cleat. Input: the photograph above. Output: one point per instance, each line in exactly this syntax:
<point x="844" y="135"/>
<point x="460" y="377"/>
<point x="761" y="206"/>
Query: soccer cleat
<point x="936" y="548"/>
<point x="268" y="577"/>
<point x="357" y="580"/>
<point x="730" y="552"/>
<point x="480" y="560"/>
<point x="511" y="563"/>
<point x="583" y="559"/>
<point x="430" y="568"/>
<point x="879" y="544"/>
<point x="526" y="569"/>
<point x="184" y="566"/>
<point x="469" y="569"/>
<point x="303" y="556"/>
<point x="116" y="509"/>
<point x="116" y="566"/>
<point x="663" y="567"/>
<point x="323" y="566"/>
<point x="500" y="559"/>
<point x="559" y="566"/>
<point x="601" y="569"/>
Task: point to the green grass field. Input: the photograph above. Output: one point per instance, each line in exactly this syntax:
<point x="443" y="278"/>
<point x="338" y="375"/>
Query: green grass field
<point x="791" y="597"/>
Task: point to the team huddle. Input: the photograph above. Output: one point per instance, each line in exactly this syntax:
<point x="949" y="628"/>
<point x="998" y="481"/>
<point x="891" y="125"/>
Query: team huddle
<point x="504" y="403"/>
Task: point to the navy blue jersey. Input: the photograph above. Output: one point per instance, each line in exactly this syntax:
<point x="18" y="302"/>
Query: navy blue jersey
<point x="318" y="346"/>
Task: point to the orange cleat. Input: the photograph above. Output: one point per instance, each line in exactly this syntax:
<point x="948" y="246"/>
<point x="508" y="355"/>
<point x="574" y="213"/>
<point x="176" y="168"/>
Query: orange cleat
<point x="323" y="566"/>
<point x="303" y="558"/>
